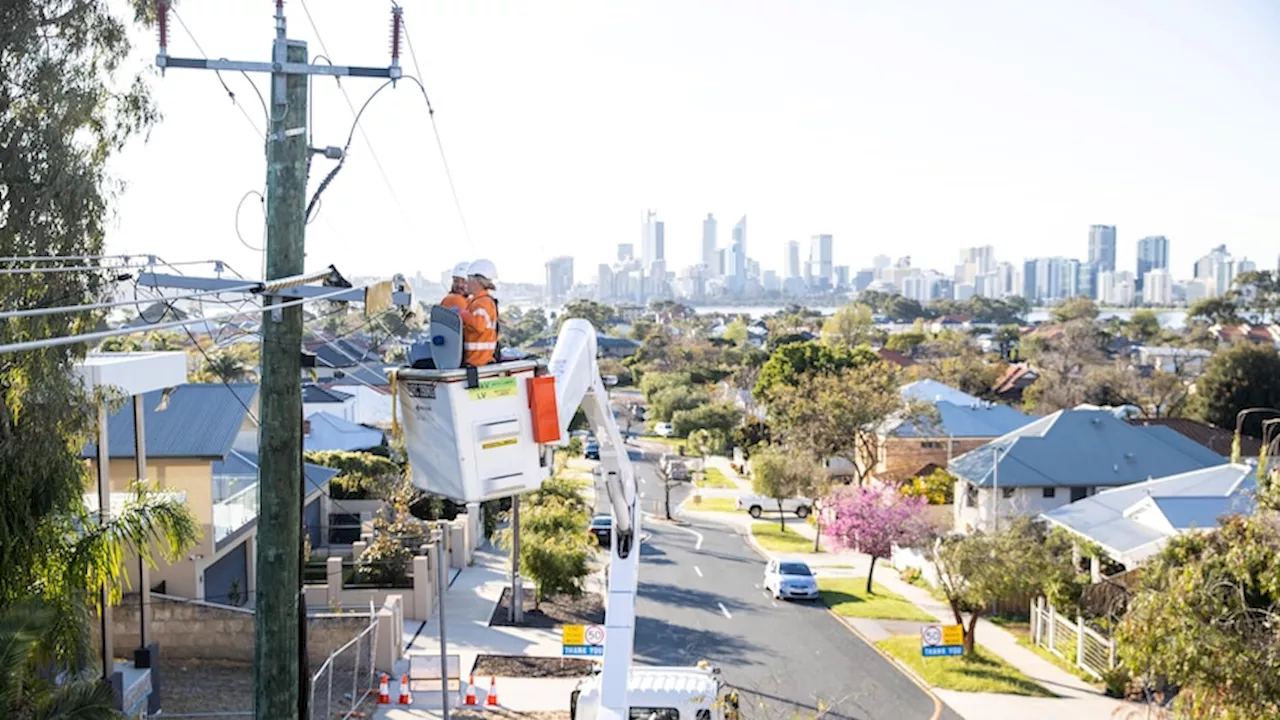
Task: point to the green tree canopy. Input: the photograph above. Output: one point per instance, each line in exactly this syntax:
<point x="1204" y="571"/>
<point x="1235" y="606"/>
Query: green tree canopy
<point x="789" y="363"/>
<point x="598" y="314"/>
<point x="1220" y="310"/>
<point x="1205" y="618"/>
<point x="1236" y="378"/>
<point x="1076" y="308"/>
<point x="780" y="475"/>
<point x="717" y="417"/>
<point x="851" y="326"/>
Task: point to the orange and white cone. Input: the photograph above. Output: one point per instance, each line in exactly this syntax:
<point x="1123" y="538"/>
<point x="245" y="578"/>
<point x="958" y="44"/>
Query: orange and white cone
<point x="492" y="698"/>
<point x="384" y="692"/>
<point x="470" y="698"/>
<point x="405" y="697"/>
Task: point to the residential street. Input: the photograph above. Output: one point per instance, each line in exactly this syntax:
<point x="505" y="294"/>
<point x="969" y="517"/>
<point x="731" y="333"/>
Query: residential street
<point x="699" y="598"/>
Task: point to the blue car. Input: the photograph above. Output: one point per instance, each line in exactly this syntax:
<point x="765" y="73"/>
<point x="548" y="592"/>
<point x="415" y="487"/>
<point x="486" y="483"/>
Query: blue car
<point x="592" y="451"/>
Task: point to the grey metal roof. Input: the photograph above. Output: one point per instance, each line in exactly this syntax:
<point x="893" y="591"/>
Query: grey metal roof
<point x="241" y="463"/>
<point x="1082" y="448"/>
<point x="315" y="394"/>
<point x="330" y="432"/>
<point x="368" y="374"/>
<point x="960" y="415"/>
<point x="1185" y="500"/>
<point x="202" y="421"/>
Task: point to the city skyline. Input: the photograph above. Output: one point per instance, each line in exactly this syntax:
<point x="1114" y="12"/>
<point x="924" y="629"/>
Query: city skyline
<point x="851" y="148"/>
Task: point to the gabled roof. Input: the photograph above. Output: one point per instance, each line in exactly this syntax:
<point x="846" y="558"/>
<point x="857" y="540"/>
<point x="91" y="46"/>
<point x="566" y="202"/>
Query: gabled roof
<point x="959" y="414"/>
<point x="241" y="464"/>
<point x="1133" y="521"/>
<point x="1082" y="448"/>
<point x="201" y="421"/>
<point x="330" y="432"/>
<point x="312" y="394"/>
<point x="1014" y="377"/>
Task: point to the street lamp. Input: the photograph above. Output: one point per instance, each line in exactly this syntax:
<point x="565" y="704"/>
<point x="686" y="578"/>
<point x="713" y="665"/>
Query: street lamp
<point x="1235" y="440"/>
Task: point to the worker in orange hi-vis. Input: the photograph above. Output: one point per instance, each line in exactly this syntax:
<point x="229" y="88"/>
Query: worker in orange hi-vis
<point x="480" y="319"/>
<point x="457" y="297"/>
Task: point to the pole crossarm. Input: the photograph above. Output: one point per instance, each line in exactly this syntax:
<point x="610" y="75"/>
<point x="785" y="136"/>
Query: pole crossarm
<point x="287" y="68"/>
<point x="287" y="287"/>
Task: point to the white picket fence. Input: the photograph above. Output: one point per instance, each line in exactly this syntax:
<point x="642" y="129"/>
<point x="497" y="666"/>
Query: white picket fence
<point x="1070" y="639"/>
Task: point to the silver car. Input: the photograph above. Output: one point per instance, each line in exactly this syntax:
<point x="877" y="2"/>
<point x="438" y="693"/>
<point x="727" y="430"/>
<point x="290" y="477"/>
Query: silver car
<point x="789" y="580"/>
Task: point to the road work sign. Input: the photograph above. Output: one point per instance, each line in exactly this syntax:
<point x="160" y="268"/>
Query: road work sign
<point x="941" y="640"/>
<point x="582" y="640"/>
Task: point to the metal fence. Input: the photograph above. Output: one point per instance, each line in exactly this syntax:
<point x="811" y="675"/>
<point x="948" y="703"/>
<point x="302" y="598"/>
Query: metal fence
<point x="347" y="677"/>
<point x="1072" y="640"/>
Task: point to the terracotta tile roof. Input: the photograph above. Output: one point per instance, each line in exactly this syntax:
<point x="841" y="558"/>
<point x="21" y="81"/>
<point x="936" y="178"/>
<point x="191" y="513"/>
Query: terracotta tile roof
<point x="1012" y="379"/>
<point x="894" y="357"/>
<point x="1216" y="439"/>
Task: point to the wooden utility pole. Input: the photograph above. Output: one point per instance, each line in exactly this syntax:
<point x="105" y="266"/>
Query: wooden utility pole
<point x="277" y="644"/>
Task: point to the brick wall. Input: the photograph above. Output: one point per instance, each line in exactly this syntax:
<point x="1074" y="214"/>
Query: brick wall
<point x="195" y="630"/>
<point x="904" y="456"/>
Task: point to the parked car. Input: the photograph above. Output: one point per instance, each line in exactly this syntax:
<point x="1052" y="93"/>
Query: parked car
<point x="787" y="580"/>
<point x="592" y="451"/>
<point x="602" y="529"/>
<point x="664" y="429"/>
<point x="756" y="505"/>
<point x="674" y="467"/>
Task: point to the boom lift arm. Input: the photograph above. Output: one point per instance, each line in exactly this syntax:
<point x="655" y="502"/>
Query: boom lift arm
<point x="578" y="384"/>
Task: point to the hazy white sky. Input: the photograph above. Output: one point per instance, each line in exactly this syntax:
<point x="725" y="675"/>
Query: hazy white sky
<point x="899" y="127"/>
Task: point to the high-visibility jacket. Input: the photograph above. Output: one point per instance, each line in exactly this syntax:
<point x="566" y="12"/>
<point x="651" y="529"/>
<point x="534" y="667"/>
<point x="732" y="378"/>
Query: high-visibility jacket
<point x="480" y="330"/>
<point x="456" y="301"/>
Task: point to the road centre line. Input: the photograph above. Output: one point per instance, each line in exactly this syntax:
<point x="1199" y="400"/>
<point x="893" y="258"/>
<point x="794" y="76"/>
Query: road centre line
<point x="725" y="610"/>
<point x="697" y="570"/>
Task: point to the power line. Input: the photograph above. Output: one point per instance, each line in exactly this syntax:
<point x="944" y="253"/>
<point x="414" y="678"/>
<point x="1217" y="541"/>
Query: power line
<point x="259" y="133"/>
<point x="431" y="112"/>
<point x="373" y="154"/>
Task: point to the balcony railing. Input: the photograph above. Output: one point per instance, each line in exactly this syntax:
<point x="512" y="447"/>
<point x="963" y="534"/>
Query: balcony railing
<point x="233" y="513"/>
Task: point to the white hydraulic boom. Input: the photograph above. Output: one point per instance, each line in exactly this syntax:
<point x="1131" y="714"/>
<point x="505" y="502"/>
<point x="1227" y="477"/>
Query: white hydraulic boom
<point x="578" y="384"/>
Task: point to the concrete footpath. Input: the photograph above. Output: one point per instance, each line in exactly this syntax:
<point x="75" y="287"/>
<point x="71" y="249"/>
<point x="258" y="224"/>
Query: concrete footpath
<point x="469" y="604"/>
<point x="1077" y="699"/>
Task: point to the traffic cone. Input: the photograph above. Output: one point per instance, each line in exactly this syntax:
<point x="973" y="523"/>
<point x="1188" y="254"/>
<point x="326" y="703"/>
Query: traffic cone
<point x="405" y="697"/>
<point x="384" y="692"/>
<point x="492" y="698"/>
<point x="470" y="699"/>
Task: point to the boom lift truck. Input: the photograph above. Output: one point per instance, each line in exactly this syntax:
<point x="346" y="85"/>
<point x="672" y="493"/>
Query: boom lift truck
<point x="476" y="434"/>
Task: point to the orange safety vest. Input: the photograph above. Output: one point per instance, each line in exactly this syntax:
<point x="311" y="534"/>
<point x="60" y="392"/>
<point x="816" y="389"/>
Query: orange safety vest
<point x="480" y="333"/>
<point x="455" y="301"/>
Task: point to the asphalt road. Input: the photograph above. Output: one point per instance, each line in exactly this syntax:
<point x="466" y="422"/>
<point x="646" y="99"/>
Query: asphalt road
<point x="700" y="598"/>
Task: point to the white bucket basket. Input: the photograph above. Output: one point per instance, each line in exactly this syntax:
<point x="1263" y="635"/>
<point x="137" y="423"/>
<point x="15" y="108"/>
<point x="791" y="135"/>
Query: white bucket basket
<point x="471" y="444"/>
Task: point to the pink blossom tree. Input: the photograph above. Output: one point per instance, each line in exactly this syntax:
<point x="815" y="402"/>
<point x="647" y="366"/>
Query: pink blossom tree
<point x="872" y="520"/>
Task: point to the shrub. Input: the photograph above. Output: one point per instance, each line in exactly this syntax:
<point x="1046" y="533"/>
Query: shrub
<point x="385" y="562"/>
<point x="575" y="447"/>
<point x="910" y="575"/>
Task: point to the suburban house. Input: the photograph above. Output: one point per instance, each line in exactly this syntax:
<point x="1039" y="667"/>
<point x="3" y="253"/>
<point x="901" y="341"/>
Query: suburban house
<point x="322" y="431"/>
<point x="1065" y="457"/>
<point x="201" y="441"/>
<point x="1257" y="334"/>
<point x="1015" y="378"/>
<point x="906" y="448"/>
<point x="371" y="389"/>
<point x="333" y="401"/>
<point x="1187" y="362"/>
<point x="1131" y="523"/>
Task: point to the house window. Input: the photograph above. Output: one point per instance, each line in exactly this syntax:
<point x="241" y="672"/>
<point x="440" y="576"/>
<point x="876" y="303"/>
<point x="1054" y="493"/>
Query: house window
<point x="1050" y="492"/>
<point x="971" y="497"/>
<point x="1079" y="493"/>
<point x="930" y="444"/>
<point x="1006" y="493"/>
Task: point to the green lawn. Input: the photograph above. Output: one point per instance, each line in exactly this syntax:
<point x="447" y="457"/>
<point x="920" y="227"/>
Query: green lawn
<point x="710" y="504"/>
<point x="848" y="596"/>
<point x="771" y="538"/>
<point x="983" y="672"/>
<point x="713" y="478"/>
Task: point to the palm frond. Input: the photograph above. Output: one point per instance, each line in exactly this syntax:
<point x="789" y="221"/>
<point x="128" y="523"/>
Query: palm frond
<point x="149" y="520"/>
<point x="78" y="700"/>
<point x="22" y="626"/>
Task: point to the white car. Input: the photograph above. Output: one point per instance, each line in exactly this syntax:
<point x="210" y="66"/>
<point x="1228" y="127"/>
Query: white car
<point x="787" y="580"/>
<point x="664" y="429"/>
<point x="756" y="505"/>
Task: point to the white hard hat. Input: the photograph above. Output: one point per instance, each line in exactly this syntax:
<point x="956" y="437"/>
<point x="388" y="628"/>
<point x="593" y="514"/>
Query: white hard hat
<point x="460" y="270"/>
<point x="484" y="268"/>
